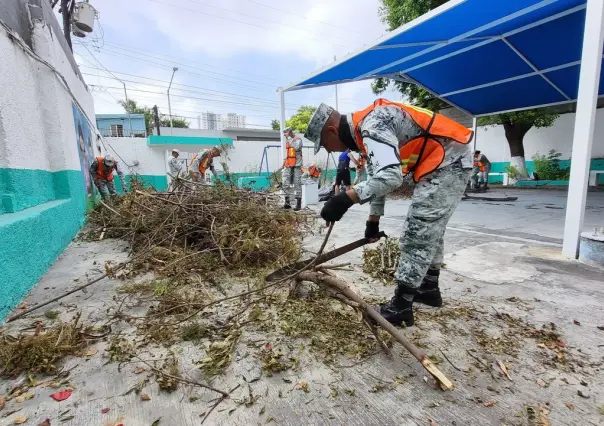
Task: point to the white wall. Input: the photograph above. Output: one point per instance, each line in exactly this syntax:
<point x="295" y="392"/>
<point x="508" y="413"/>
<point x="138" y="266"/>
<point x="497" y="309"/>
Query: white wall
<point x="37" y="128"/>
<point x="492" y="142"/>
<point x="128" y="150"/>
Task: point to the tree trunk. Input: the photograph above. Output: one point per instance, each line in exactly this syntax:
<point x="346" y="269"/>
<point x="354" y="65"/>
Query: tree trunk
<point x="514" y="133"/>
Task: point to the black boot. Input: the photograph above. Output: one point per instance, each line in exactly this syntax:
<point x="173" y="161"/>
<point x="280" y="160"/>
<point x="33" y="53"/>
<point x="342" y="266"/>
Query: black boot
<point x="399" y="309"/>
<point x="428" y="293"/>
<point x="287" y="205"/>
<point x="298" y="204"/>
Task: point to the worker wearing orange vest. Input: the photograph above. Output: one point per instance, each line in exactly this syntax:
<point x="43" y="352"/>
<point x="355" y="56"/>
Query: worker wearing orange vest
<point x="101" y="170"/>
<point x="361" y="172"/>
<point x="313" y="172"/>
<point x="480" y="171"/>
<point x="292" y="173"/>
<point x="400" y="139"/>
<point x="204" y="161"/>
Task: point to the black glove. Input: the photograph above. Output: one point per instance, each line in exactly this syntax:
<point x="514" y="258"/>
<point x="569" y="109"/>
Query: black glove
<point x="372" y="230"/>
<point x="334" y="209"/>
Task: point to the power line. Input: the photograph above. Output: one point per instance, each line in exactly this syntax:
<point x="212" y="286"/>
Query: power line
<point x="170" y="65"/>
<point x="154" y="99"/>
<point x="184" y="70"/>
<point x="300" y="16"/>
<point x="137" y="49"/>
<point x="250" y="99"/>
<point x="192" y="97"/>
<point x="230" y="11"/>
<point x="232" y="20"/>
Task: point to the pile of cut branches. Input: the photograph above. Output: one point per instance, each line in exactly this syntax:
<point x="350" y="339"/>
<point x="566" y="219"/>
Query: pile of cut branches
<point x="39" y="351"/>
<point x="380" y="262"/>
<point x="208" y="227"/>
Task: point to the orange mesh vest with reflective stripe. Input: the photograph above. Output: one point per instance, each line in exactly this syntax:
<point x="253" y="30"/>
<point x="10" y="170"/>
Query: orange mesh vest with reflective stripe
<point x="425" y="153"/>
<point x="314" y="171"/>
<point x="481" y="167"/>
<point x="204" y="162"/>
<point x="361" y="162"/>
<point x="290" y="158"/>
<point x="100" y="170"/>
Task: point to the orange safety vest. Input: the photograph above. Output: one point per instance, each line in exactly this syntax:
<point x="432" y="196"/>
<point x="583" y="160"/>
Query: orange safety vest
<point x="314" y="171"/>
<point x="425" y="153"/>
<point x="361" y="162"/>
<point x="204" y="162"/>
<point x="480" y="165"/>
<point x="290" y="159"/>
<point x="100" y="170"/>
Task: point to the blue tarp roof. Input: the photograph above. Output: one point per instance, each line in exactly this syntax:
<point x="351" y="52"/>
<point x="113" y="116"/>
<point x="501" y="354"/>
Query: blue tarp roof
<point x="482" y="56"/>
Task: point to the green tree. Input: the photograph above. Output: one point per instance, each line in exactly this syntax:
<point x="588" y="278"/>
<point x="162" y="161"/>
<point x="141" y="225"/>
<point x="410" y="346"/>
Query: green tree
<point x="132" y="107"/>
<point x="179" y="122"/>
<point x="299" y="121"/>
<point x="275" y="124"/>
<point x="516" y="125"/>
<point x="395" y="13"/>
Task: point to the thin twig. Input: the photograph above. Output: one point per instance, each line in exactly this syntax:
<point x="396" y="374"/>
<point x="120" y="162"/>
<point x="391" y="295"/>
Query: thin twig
<point x="218" y="403"/>
<point x="183" y="380"/>
<point x="450" y="362"/>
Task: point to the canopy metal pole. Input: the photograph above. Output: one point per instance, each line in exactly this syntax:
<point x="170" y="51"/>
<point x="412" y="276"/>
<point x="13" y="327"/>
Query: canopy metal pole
<point x="282" y="127"/>
<point x="589" y="82"/>
<point x="475" y="127"/>
<point x="336" y="88"/>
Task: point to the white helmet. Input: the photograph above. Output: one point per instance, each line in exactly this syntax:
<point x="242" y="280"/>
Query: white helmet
<point x="109" y="160"/>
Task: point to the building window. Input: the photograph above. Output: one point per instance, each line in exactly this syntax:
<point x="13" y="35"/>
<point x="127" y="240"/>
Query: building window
<point x="116" y="130"/>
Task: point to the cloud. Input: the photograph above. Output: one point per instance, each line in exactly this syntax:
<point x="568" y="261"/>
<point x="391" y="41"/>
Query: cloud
<point x="286" y="41"/>
<point x="310" y="30"/>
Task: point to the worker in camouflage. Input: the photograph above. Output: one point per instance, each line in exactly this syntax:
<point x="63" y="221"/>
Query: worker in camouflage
<point x="480" y="171"/>
<point x="391" y="135"/>
<point x="292" y="169"/>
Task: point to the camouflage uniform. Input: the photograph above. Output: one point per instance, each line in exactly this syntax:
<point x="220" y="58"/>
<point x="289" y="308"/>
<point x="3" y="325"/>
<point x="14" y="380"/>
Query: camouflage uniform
<point x="292" y="176"/>
<point x="479" y="177"/>
<point x="201" y="155"/>
<point x="434" y="199"/>
<point x="106" y="187"/>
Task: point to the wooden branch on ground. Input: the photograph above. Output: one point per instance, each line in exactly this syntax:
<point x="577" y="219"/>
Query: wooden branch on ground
<point x="342" y="287"/>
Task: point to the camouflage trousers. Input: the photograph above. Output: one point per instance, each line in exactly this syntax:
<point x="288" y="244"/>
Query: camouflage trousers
<point x="434" y="200"/>
<point x="106" y="188"/>
<point x="479" y="177"/>
<point x="361" y="176"/>
<point x="292" y="182"/>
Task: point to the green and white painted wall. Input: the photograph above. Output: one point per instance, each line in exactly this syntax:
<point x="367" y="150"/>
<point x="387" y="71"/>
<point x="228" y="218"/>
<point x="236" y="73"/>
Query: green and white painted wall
<point x="148" y="158"/>
<point x="45" y="137"/>
<point x="492" y="142"/>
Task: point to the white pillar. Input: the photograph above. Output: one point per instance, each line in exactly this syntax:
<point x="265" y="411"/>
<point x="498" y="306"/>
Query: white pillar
<point x="282" y="102"/>
<point x="591" y="64"/>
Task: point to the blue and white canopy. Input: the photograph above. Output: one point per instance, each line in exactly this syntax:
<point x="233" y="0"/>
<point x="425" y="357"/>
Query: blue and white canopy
<point x="482" y="56"/>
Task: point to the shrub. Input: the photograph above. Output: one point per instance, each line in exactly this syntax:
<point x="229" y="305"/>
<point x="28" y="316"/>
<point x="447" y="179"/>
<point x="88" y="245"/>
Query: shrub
<point x="547" y="167"/>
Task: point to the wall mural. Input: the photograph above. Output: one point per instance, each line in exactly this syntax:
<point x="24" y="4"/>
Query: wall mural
<point x="85" y="141"/>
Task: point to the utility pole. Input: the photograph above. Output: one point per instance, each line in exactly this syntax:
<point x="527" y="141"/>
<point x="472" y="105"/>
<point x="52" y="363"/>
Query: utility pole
<point x="337" y="109"/>
<point x="128" y="111"/>
<point x="156" y="118"/>
<point x="118" y="79"/>
<point x="170" y="106"/>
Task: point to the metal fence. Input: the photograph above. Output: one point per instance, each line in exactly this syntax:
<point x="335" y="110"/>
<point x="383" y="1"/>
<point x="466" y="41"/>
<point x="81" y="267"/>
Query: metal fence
<point x="122" y="132"/>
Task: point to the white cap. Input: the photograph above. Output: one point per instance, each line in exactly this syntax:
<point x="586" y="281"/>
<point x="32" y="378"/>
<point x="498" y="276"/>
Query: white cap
<point x="176" y="151"/>
<point x="109" y="160"/>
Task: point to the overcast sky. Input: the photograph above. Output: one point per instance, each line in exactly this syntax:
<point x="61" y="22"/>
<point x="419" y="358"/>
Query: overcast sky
<point x="232" y="54"/>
